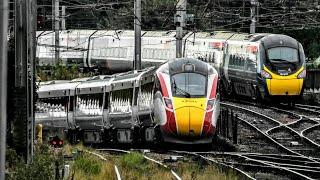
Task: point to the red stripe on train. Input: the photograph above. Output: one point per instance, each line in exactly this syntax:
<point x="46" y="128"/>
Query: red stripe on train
<point x="164" y="88"/>
<point x="214" y="88"/>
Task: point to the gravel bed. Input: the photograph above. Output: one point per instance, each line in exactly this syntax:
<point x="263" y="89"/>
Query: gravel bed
<point x="302" y="125"/>
<point x="250" y="167"/>
<point x="294" y="142"/>
<point x="262" y="124"/>
<point x="251" y="142"/>
<point x="314" y="135"/>
<point x="279" y="116"/>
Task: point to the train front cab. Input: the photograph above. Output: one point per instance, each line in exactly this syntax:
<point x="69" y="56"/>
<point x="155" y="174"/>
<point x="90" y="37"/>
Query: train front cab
<point x="186" y="104"/>
<point x="282" y="68"/>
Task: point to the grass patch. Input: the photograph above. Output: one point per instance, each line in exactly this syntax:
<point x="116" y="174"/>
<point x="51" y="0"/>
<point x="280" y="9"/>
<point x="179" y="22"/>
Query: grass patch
<point x="134" y="161"/>
<point x="88" y="164"/>
<point x="202" y="172"/>
<point x="135" y="166"/>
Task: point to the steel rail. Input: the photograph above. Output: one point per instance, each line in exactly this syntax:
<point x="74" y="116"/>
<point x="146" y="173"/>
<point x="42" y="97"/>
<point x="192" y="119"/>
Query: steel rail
<point x="280" y="158"/>
<point x="217" y="163"/>
<point x="266" y="133"/>
<point x="307" y="118"/>
<point x="265" y="164"/>
<point x="287" y="157"/>
<point x="277" y="143"/>
<point x="104" y="159"/>
<point x="298" y="116"/>
<point x="146" y="157"/>
<point x="268" y="164"/>
<point x="117" y="172"/>
<point x="305" y="131"/>
<point x="309" y="110"/>
<point x="308" y="106"/>
<point x="295" y="133"/>
<point x="251" y="112"/>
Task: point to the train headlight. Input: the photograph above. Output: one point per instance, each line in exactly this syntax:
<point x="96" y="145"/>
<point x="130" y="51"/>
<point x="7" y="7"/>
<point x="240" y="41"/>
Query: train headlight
<point x="265" y="74"/>
<point x="210" y="104"/>
<point x="302" y="74"/>
<point x="168" y="103"/>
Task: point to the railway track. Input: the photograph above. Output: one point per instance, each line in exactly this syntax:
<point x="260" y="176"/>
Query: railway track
<point x="174" y="174"/>
<point x="282" y="135"/>
<point x="312" y="112"/>
<point x="313" y="133"/>
<point x="245" y="165"/>
<point x="262" y="166"/>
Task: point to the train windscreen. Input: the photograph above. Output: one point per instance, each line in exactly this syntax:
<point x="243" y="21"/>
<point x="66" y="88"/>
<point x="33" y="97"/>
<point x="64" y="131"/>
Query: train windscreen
<point x="188" y="85"/>
<point x="283" y="54"/>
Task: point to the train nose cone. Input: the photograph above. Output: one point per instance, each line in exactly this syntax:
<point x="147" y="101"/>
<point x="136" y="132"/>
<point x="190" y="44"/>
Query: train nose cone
<point x="189" y="121"/>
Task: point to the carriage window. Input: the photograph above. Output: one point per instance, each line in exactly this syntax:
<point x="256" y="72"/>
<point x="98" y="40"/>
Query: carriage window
<point x="52" y="107"/>
<point x="106" y="101"/>
<point x="89" y="104"/>
<point x="282" y="54"/>
<point x="251" y="64"/>
<point x="145" y="96"/>
<point x="188" y="85"/>
<point x="121" y="101"/>
<point x="236" y="61"/>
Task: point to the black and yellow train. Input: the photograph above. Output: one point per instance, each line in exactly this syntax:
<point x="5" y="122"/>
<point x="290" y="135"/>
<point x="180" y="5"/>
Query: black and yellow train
<point x="267" y="67"/>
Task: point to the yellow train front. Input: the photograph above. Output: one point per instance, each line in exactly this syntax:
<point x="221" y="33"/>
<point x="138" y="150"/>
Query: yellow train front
<point x="266" y="67"/>
<point x="186" y="103"/>
<point x="282" y="68"/>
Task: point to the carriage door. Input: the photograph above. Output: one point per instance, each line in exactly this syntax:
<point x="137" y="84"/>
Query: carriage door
<point x="236" y="69"/>
<point x="251" y="70"/>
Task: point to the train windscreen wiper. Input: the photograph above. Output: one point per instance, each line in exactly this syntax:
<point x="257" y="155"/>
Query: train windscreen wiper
<point x="282" y="60"/>
<point x="179" y="90"/>
<point x="183" y="92"/>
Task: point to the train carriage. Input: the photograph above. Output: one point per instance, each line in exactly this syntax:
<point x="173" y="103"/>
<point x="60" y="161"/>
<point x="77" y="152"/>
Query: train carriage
<point x="54" y="108"/>
<point x="91" y="109"/>
<point x="145" y="105"/>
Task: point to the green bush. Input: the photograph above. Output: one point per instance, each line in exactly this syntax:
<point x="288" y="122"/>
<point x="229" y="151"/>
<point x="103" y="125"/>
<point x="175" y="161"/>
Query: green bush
<point x="42" y="166"/>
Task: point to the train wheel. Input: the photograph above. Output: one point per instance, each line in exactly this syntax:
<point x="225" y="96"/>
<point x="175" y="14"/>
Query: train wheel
<point x="72" y="136"/>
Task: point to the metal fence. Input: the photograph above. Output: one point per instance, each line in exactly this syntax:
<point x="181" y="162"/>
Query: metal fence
<point x="227" y="126"/>
<point x="313" y="80"/>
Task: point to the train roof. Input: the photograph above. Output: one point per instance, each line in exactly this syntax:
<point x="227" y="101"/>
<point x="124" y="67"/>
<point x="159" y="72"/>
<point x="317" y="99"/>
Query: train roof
<point x="275" y="40"/>
<point x="178" y="66"/>
<point x="53" y="82"/>
<point x="96" y="86"/>
<point x="57" y="90"/>
<point x="165" y="34"/>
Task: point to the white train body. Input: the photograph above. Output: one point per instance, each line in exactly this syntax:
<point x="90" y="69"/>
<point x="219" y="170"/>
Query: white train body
<point x="112" y="51"/>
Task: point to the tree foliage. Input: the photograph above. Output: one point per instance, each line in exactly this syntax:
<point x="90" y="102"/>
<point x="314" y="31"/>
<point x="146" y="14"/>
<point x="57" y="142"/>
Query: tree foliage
<point x="60" y="71"/>
<point x="42" y="166"/>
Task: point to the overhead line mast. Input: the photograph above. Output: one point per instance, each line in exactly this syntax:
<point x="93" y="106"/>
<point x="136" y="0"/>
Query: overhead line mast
<point x="180" y="18"/>
<point x="56" y="24"/>
<point x="4" y="11"/>
<point x="137" y="33"/>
